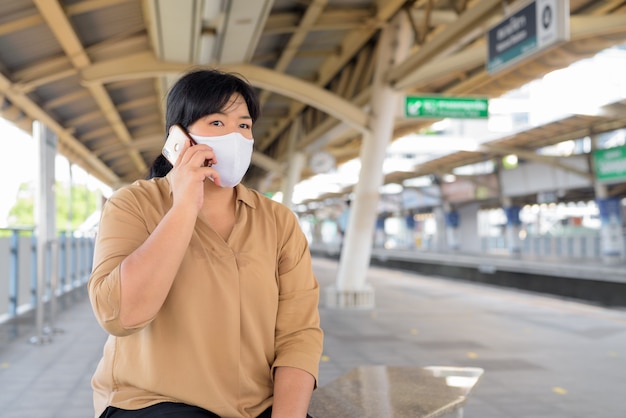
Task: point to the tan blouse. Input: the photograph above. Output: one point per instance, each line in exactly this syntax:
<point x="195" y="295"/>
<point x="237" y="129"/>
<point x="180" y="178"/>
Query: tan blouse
<point x="236" y="309"/>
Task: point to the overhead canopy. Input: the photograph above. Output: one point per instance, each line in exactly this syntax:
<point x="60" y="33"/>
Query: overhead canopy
<point x="97" y="71"/>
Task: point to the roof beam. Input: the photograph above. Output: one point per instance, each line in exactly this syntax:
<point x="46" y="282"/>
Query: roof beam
<point x="466" y="23"/>
<point x="57" y="20"/>
<point x="22" y="23"/>
<point x="311" y="15"/>
<point x="66" y="99"/>
<point x="330" y="19"/>
<point x="144" y="65"/>
<point x="132" y="104"/>
<point x="83" y="118"/>
<point x="533" y="156"/>
<point x="350" y="46"/>
<point x="581" y="28"/>
<point x="69" y="146"/>
<point x="86" y="6"/>
<point x="26" y="22"/>
<point x="461" y="61"/>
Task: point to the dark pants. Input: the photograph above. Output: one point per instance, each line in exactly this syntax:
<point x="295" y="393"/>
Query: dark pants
<point x="169" y="409"/>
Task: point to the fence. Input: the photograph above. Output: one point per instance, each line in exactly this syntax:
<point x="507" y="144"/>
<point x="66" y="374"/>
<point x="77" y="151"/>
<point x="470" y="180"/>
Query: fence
<point x="576" y="246"/>
<point x="70" y="254"/>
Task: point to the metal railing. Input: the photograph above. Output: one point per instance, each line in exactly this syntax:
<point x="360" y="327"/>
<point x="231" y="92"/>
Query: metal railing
<point x="67" y="265"/>
<point x="588" y="247"/>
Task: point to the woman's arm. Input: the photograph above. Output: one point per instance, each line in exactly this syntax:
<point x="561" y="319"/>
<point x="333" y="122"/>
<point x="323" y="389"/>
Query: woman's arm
<point x="147" y="274"/>
<point x="134" y="269"/>
<point x="292" y="392"/>
<point x="298" y="337"/>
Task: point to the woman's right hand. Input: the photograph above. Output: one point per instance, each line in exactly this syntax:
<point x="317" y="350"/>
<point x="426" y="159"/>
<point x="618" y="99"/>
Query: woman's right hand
<point x="193" y="167"/>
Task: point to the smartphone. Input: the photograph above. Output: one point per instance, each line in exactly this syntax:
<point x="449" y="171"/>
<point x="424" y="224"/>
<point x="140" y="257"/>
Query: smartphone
<point x="175" y="143"/>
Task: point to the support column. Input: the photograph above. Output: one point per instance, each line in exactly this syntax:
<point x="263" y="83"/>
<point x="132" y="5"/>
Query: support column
<point x="45" y="231"/>
<point x="410" y="225"/>
<point x="611" y="238"/>
<point x="440" y="241"/>
<point x="452" y="228"/>
<point x="296" y="165"/>
<point x="297" y="160"/>
<point x="513" y="225"/>
<point x="351" y="289"/>
<point x="468" y="227"/>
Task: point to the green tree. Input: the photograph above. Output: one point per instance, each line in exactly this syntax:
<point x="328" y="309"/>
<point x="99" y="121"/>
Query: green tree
<point x="84" y="203"/>
<point x="22" y="213"/>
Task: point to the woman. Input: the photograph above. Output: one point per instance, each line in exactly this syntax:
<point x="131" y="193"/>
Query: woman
<point x="205" y="286"/>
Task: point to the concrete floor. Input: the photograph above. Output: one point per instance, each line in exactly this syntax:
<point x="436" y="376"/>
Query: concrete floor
<point x="544" y="357"/>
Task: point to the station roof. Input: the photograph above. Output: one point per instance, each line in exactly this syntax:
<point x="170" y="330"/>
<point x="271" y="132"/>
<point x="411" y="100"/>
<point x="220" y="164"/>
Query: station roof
<point x="96" y="72"/>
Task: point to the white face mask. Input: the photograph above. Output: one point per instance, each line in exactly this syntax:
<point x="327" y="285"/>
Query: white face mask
<point x="233" y="152"/>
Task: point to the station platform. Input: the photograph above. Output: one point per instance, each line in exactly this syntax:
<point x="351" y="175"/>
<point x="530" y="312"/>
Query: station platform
<point x="591" y="280"/>
<point x="543" y="356"/>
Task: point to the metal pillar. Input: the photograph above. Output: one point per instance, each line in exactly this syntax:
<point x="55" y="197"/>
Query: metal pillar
<point x="14" y="274"/>
<point x="611" y="238"/>
<point x="351" y="289"/>
<point x="513" y="226"/>
<point x="45" y="229"/>
<point x="452" y="228"/>
<point x="440" y="240"/>
<point x="54" y="283"/>
<point x="297" y="161"/>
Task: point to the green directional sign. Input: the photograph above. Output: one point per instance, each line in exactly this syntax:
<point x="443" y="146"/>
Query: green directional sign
<point x="610" y="164"/>
<point x="446" y="107"/>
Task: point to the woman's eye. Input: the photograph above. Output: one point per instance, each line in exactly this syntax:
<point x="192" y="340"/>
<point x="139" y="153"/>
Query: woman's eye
<point x="244" y="126"/>
<point x="216" y="123"/>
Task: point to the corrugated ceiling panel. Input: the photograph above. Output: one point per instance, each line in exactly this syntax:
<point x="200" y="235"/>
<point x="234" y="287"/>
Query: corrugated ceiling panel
<point x="120" y="20"/>
<point x="11" y="10"/>
<point x="126" y="92"/>
<point x="26" y="47"/>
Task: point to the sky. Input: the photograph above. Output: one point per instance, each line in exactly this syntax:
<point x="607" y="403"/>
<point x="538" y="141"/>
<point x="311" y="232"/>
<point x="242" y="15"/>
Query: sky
<point x="18" y="165"/>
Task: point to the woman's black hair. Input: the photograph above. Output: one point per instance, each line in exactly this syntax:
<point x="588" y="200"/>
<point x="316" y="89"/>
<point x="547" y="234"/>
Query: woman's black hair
<point x="197" y="94"/>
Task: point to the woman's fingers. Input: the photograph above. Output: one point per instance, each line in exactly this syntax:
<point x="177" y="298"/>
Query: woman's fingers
<point x="213" y="175"/>
<point x="200" y="159"/>
<point x="199" y="155"/>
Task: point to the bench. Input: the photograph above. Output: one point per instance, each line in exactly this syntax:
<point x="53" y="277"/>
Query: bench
<point x="398" y="392"/>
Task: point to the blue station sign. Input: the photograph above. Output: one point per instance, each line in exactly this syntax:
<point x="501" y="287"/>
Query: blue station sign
<point x="535" y="26"/>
